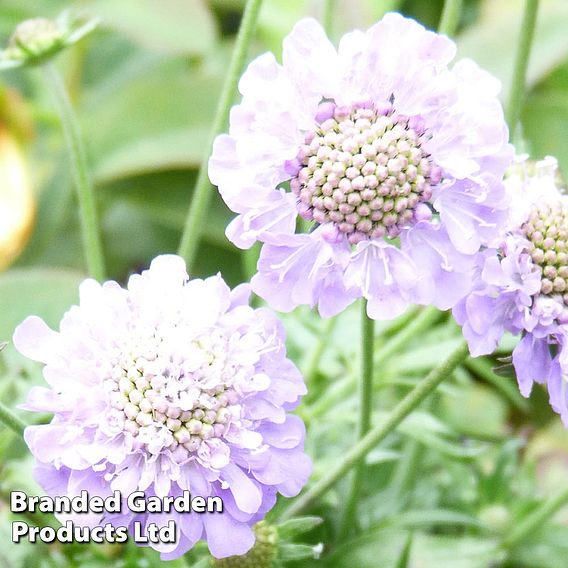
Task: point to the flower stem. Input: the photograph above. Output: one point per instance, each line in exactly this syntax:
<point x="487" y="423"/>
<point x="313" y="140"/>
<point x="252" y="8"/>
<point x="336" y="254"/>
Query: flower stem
<point x="450" y="17"/>
<point x="203" y="189"/>
<point x="358" y="452"/>
<point x="327" y="17"/>
<point x="535" y="519"/>
<point x="87" y="209"/>
<point x="421" y="322"/>
<point x="365" y="412"/>
<point x="8" y="418"/>
<point x="518" y="80"/>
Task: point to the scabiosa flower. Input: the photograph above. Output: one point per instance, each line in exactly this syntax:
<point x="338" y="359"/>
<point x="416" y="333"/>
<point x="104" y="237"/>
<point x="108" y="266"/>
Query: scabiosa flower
<point x="393" y="159"/>
<point x="169" y="385"/>
<point x="522" y="286"/>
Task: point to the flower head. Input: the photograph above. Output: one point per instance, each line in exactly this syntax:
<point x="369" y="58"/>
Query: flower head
<point x="169" y="385"/>
<point x="37" y="40"/>
<point x="522" y="285"/>
<point x="383" y="150"/>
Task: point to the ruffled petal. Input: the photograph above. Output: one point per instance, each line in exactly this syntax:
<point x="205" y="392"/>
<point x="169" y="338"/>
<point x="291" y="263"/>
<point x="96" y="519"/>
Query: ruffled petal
<point x="311" y="60"/>
<point x="34" y="339"/>
<point x="474" y="213"/>
<point x="246" y="492"/>
<point x="303" y="269"/>
<point x="385" y="276"/>
<point x="444" y="275"/>
<point x="532" y="362"/>
<point x="274" y="212"/>
<point x="227" y="537"/>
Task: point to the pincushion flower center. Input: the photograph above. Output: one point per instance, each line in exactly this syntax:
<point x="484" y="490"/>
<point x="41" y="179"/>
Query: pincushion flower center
<point x="169" y="402"/>
<point x="364" y="169"/>
<point x="547" y="232"/>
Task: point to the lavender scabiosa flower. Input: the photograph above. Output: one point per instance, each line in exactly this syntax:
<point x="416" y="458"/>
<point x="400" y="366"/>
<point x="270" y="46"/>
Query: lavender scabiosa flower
<point x="522" y="286"/>
<point x="394" y="159"/>
<point x="168" y="385"/>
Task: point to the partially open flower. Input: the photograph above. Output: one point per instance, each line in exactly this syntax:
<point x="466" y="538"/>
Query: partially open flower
<point x="522" y="286"/>
<point x="394" y="159"/>
<point x="37" y="40"/>
<point x="169" y="385"/>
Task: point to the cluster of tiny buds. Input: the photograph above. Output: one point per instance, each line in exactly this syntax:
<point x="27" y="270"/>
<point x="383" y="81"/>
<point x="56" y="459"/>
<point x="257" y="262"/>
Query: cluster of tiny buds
<point x="547" y="232"/>
<point x="365" y="170"/>
<point x="169" y="409"/>
<point x="262" y="555"/>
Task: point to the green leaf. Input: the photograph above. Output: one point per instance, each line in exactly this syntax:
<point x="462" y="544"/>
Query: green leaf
<point x="431" y="432"/>
<point x="290" y="552"/>
<point x="299" y="525"/>
<point x="171" y="26"/>
<point x="174" y="149"/>
<point x="476" y="410"/>
<point x="156" y="118"/>
<point x="404" y="560"/>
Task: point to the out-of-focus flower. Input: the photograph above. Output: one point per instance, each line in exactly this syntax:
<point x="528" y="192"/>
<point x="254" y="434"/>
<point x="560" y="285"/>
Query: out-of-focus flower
<point x="37" y="40"/>
<point x="169" y="385"/>
<point x="17" y="203"/>
<point x="394" y="159"/>
<point x="522" y="286"/>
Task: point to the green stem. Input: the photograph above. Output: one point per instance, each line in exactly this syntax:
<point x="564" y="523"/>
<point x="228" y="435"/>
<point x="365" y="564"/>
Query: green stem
<point x="536" y="519"/>
<point x="380" y="431"/>
<point x="8" y="418"/>
<point x="365" y="412"/>
<point x="450" y="17"/>
<point x="327" y="16"/>
<point x="518" y="80"/>
<point x="203" y="189"/>
<point x="86" y="197"/>
<point x="314" y="362"/>
<point x="420" y="323"/>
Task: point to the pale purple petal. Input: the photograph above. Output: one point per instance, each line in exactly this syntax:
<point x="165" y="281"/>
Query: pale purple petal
<point x="444" y="274"/>
<point x="532" y="362"/>
<point x="34" y="339"/>
<point x="303" y="269"/>
<point x="274" y="212"/>
<point x="386" y="277"/>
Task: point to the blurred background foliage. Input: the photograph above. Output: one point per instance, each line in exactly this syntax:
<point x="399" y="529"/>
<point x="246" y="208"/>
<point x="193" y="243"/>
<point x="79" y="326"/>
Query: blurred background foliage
<point x="449" y="488"/>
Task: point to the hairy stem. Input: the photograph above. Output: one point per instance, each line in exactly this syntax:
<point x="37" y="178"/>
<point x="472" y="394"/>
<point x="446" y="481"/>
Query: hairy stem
<point x="8" y="418"/>
<point x="202" y="194"/>
<point x="450" y="17"/>
<point x="518" y="81"/>
<point x="327" y="16"/>
<point x="365" y="412"/>
<point x="86" y="197"/>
